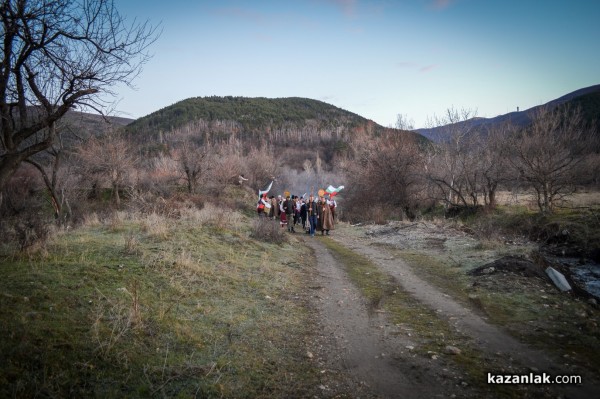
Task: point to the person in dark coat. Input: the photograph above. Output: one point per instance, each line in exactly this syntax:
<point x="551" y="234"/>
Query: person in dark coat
<point x="303" y="213"/>
<point x="324" y="217"/>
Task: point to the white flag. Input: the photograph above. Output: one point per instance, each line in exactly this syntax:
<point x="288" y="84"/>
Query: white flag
<point x="260" y="193"/>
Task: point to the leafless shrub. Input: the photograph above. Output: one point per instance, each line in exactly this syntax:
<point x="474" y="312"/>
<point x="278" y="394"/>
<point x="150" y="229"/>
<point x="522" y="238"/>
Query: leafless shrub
<point x="226" y="166"/>
<point x="386" y="173"/>
<point x="161" y="176"/>
<point x="550" y="155"/>
<point x="267" y="230"/>
<point x="261" y="165"/>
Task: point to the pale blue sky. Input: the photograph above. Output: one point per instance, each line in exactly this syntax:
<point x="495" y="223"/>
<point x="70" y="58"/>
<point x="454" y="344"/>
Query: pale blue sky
<point x="374" y="58"/>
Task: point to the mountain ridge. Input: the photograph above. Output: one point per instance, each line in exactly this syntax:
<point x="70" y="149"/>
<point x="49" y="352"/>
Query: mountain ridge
<point x="250" y="117"/>
<point x="587" y="97"/>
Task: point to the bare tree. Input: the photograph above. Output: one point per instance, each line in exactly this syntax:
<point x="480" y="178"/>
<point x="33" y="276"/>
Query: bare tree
<point x="58" y="55"/>
<point x="385" y="173"/>
<point x="550" y="154"/>
<point x="450" y="166"/>
<point x="403" y="123"/>
<point x="492" y="154"/>
<point x="109" y="157"/>
<point x="193" y="161"/>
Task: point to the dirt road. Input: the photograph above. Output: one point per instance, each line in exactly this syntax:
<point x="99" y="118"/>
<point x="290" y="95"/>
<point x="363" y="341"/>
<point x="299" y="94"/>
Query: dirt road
<point x="354" y="341"/>
<point x="365" y="355"/>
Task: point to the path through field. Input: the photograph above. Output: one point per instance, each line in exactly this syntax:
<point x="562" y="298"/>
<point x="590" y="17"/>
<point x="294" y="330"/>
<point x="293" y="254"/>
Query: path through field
<point x="374" y="359"/>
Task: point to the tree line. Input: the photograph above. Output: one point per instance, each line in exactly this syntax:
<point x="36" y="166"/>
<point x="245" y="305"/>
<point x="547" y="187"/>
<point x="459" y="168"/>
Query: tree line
<point x="552" y="157"/>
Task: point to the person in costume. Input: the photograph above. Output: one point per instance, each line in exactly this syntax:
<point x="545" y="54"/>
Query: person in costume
<point x="278" y="207"/>
<point x="312" y="214"/>
<point x="289" y="213"/>
<point x="297" y="205"/>
<point x="272" y="211"/>
<point x="262" y="204"/>
<point x="303" y="213"/>
<point x="282" y="216"/>
<point x="332" y="205"/>
<point x="324" y="217"/>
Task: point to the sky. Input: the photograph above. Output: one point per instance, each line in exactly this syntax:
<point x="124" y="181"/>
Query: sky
<point x="378" y="59"/>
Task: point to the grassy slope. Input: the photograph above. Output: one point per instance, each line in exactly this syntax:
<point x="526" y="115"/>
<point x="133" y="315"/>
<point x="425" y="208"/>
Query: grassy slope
<point x="149" y="306"/>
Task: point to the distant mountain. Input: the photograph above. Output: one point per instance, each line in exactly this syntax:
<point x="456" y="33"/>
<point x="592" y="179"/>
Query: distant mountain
<point x="88" y="123"/>
<point x="587" y="98"/>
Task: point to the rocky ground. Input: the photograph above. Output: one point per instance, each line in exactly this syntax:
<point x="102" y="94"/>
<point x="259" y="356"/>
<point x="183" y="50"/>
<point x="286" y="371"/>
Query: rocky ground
<point x="362" y="353"/>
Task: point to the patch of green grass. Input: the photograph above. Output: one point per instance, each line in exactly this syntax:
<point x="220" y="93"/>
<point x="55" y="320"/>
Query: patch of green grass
<point x="115" y="310"/>
<point x="447" y="275"/>
<point x="547" y="319"/>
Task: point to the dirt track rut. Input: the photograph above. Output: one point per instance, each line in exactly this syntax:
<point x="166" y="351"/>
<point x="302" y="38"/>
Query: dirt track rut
<point x="378" y="364"/>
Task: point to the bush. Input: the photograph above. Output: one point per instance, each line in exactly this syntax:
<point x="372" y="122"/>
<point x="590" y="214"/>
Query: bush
<point x="267" y="230"/>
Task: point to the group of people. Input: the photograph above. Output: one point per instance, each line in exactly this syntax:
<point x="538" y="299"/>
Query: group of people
<point x="313" y="214"/>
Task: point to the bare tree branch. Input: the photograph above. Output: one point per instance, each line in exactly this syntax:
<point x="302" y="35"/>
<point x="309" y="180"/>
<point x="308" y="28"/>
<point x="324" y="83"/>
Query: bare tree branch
<point x="58" y="55"/>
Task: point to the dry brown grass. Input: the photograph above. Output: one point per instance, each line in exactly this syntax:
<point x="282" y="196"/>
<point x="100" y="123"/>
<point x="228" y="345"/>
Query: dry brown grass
<point x="208" y="312"/>
<point x="214" y="216"/>
<point x="156" y="226"/>
<point x="578" y="199"/>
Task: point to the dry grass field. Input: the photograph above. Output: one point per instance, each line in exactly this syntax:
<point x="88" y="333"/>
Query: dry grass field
<point x="147" y="305"/>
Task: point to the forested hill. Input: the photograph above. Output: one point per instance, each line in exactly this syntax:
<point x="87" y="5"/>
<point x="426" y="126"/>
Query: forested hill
<point x="250" y="113"/>
<point x="279" y="122"/>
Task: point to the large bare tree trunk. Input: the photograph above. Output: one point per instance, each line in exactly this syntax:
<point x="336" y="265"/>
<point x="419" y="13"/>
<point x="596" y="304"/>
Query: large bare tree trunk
<point x="57" y="55"/>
